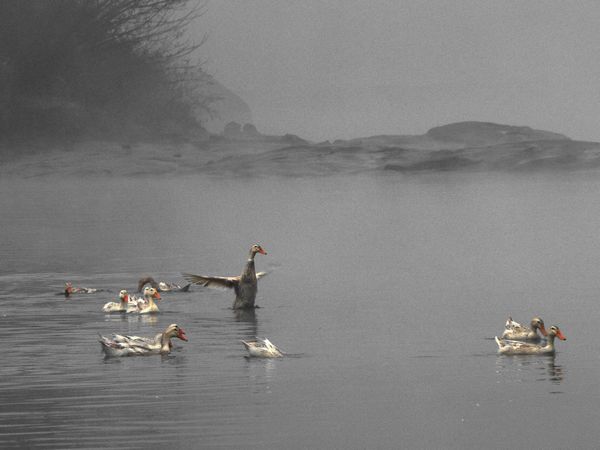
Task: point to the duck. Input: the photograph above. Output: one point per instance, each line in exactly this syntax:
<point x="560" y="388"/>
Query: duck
<point x="147" y="305"/>
<point x="70" y="289"/>
<point x="517" y="332"/>
<point x="508" y="347"/>
<point x="121" y="306"/>
<point x="119" y="345"/>
<point x="244" y="285"/>
<point x="128" y="303"/>
<point x="262" y="348"/>
<point x="161" y="286"/>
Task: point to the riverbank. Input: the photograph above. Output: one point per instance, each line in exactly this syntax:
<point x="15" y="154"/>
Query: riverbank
<point x="474" y="147"/>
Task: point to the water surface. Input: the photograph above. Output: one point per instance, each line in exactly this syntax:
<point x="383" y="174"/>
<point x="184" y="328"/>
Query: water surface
<point x="385" y="290"/>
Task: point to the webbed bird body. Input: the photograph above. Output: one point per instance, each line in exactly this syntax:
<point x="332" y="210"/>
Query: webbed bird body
<point x="262" y="348"/>
<point x="508" y="347"/>
<point x="517" y="332"/>
<point x="120" y="345"/>
<point x="126" y="302"/>
<point x="147" y="305"/>
<point x="70" y="290"/>
<point x="245" y="285"/>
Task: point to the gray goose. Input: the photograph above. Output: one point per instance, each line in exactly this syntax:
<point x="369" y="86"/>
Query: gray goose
<point x="244" y="285"/>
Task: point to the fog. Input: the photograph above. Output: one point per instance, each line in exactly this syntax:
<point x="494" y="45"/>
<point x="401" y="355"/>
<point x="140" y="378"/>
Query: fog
<point x="344" y="69"/>
<point x="392" y="262"/>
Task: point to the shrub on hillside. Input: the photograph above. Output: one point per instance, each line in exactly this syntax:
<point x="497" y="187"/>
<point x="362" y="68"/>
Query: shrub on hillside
<point x="98" y="67"/>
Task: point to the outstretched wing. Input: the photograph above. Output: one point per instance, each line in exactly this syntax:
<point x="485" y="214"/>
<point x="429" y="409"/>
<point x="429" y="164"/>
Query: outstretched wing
<point x="212" y="282"/>
<point x="259" y="275"/>
<point x="147" y="280"/>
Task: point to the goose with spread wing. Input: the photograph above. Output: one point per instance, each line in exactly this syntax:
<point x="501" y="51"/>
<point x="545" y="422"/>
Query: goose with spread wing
<point x="244" y="285"/>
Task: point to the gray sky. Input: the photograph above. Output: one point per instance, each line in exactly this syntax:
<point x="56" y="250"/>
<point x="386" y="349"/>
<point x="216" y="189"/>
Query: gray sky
<point x="348" y="68"/>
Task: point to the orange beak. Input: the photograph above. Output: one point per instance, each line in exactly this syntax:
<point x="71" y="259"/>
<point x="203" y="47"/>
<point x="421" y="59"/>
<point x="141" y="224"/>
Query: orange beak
<point x="543" y="330"/>
<point x="261" y="251"/>
<point x="181" y="335"/>
<point x="560" y="335"/>
<point x="156" y="295"/>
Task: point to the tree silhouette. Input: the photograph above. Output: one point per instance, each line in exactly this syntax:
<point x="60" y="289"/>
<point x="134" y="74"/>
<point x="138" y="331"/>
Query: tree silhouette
<point x="120" y="67"/>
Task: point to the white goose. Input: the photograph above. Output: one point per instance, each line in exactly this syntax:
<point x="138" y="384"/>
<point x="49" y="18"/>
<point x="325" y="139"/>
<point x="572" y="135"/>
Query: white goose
<point x="262" y="348"/>
<point x="119" y="307"/>
<point x="508" y="347"/>
<point x="244" y="285"/>
<point x="119" y="345"/>
<point x="147" y="306"/>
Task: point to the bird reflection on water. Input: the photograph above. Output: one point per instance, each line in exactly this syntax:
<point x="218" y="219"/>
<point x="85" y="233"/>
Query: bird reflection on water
<point x="151" y="319"/>
<point x="528" y="368"/>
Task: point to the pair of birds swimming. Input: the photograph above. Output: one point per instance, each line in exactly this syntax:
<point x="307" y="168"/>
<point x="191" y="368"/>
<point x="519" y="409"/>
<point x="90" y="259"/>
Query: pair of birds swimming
<point x="132" y="304"/>
<point x="521" y="340"/>
<point x="244" y="285"/>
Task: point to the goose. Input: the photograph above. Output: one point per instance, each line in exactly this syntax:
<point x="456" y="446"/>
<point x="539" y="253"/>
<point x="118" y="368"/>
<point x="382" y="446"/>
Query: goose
<point x="161" y="286"/>
<point x="124" y="305"/>
<point x="244" y="285"/>
<point x="517" y="332"/>
<point x="262" y="348"/>
<point x="147" y="306"/>
<point x="161" y="344"/>
<point x="70" y="289"/>
<point x="508" y="347"/>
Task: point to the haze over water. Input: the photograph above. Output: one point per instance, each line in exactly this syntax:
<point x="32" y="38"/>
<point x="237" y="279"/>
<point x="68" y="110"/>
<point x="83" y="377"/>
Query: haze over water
<point x="344" y="69"/>
<point x="393" y="261"/>
<point x="385" y="290"/>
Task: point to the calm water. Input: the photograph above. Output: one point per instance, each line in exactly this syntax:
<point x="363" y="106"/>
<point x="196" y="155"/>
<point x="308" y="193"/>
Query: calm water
<point x="386" y="291"/>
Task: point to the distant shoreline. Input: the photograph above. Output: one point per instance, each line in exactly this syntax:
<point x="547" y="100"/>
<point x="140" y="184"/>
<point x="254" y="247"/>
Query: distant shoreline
<point x="462" y="147"/>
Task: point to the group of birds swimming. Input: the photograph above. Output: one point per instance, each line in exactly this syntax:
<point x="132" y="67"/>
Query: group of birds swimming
<point x="244" y="286"/>
<point x="518" y="339"/>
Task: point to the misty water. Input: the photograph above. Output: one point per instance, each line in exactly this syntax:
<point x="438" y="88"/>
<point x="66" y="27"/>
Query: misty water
<point x="385" y="290"/>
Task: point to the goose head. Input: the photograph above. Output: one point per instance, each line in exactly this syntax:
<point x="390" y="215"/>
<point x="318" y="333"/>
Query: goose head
<point x="257" y="249"/>
<point x="175" y="331"/>
<point x="538" y="323"/>
<point x="555" y="331"/>
<point x="124" y="296"/>
<point x="150" y="292"/>
<point x="68" y="289"/>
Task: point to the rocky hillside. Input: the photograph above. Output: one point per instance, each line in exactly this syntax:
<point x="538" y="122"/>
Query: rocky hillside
<point x="227" y="107"/>
<point x="460" y="147"/>
<point x="465" y="146"/>
<point x="479" y="134"/>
